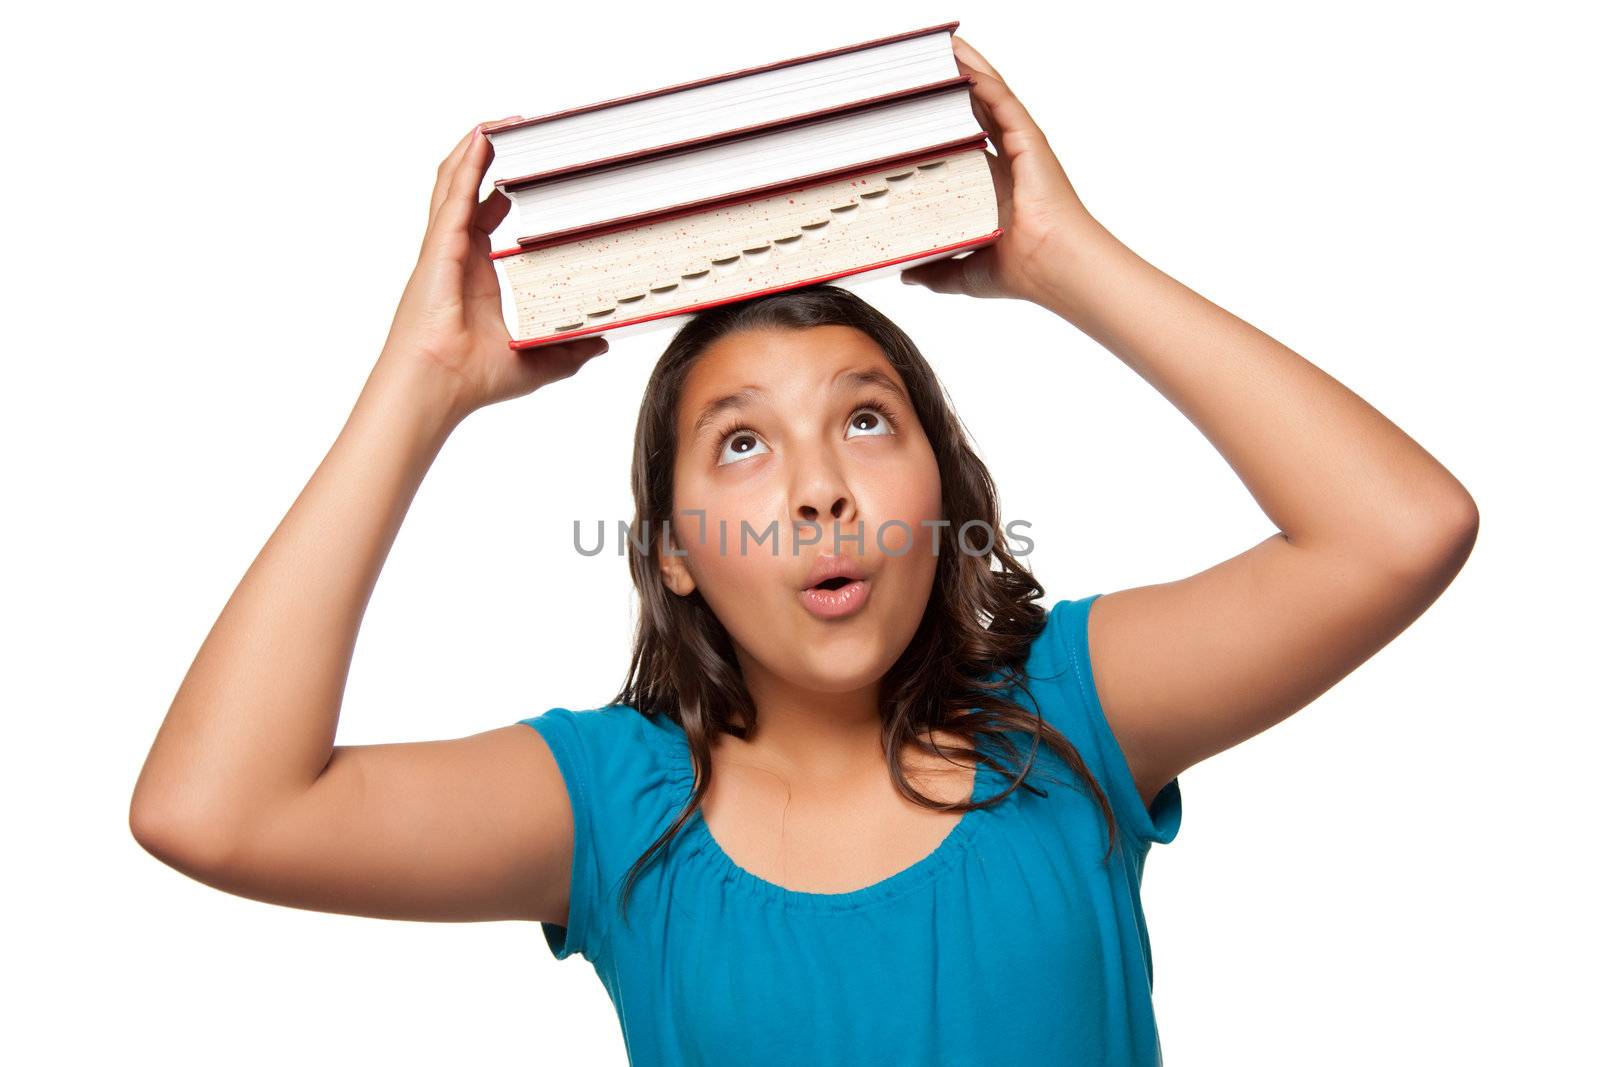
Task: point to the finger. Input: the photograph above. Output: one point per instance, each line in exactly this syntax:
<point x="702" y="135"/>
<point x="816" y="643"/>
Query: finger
<point x="588" y="348"/>
<point x="491" y="212"/>
<point x="460" y="203"/>
<point x="446" y="171"/>
<point x="995" y="88"/>
<point x="971" y="63"/>
<point x="552" y="363"/>
<point x="480" y="280"/>
<point x="1018" y="132"/>
<point x="993" y="128"/>
<point x="447" y="168"/>
<point x="969" y="55"/>
<point x="941" y="277"/>
<point x="986" y="119"/>
<point x="967" y="274"/>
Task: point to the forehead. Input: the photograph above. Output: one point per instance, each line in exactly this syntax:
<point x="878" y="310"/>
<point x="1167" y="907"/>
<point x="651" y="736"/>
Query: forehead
<point x="786" y="363"/>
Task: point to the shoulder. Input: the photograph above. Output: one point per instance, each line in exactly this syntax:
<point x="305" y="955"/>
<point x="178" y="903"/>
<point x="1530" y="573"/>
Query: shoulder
<point x="1060" y="673"/>
<point x="612" y="756"/>
<point x="1057" y="665"/>
<point x="625" y="772"/>
<point x="604" y="743"/>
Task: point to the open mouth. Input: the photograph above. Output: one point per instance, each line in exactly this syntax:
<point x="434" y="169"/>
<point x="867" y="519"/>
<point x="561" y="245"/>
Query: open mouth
<point x="836" y="598"/>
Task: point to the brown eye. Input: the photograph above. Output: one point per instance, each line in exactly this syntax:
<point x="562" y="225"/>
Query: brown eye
<point x="873" y="421"/>
<point x="739" y="444"/>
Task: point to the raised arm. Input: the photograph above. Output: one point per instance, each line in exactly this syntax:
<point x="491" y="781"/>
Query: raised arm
<point x="1371" y="527"/>
<point x="243" y="787"/>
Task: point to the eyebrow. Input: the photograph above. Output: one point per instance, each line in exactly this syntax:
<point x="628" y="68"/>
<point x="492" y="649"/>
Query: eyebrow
<point x="853" y="377"/>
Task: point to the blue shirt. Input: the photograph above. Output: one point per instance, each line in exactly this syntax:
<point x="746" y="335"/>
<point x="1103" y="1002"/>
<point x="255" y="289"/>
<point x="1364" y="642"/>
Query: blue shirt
<point x="1010" y="943"/>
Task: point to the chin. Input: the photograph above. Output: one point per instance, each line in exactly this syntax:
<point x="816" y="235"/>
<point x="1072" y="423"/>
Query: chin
<point x="843" y="664"/>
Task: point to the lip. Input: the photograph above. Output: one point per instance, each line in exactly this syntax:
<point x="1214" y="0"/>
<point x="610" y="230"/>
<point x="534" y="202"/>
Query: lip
<point x="837" y="603"/>
<point x="825" y="567"/>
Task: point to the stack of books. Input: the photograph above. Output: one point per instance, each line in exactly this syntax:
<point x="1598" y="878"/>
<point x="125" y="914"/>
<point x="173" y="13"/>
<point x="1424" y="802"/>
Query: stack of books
<point x="851" y="163"/>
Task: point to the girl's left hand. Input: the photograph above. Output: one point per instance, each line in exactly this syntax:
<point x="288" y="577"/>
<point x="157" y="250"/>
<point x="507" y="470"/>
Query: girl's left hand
<point x="1037" y="203"/>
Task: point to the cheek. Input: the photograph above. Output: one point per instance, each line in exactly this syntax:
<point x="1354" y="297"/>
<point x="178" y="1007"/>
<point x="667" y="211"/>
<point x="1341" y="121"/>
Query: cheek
<point x="906" y="507"/>
<point x="729" y="537"/>
<point x="743" y="582"/>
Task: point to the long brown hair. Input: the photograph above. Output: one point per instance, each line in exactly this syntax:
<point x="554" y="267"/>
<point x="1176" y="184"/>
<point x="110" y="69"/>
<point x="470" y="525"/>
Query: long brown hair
<point x="683" y="664"/>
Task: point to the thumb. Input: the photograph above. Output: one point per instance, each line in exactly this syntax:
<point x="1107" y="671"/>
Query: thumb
<point x="543" y="365"/>
<point x="951" y="274"/>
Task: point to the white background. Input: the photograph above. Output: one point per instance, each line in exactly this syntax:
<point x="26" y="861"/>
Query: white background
<point x="197" y="281"/>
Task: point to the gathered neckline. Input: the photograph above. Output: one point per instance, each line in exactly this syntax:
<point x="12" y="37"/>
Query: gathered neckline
<point x="698" y="836"/>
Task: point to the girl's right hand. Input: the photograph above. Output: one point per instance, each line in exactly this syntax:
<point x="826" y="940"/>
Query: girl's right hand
<point x="449" y="319"/>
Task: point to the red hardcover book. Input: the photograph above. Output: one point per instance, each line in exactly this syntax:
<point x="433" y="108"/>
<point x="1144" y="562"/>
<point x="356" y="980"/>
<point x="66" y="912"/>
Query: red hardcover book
<point x="511" y="124"/>
<point x="866" y="272"/>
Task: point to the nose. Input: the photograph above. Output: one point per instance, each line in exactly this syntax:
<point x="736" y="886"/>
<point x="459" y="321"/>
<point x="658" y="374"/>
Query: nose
<point x="836" y="511"/>
<point x="821" y="494"/>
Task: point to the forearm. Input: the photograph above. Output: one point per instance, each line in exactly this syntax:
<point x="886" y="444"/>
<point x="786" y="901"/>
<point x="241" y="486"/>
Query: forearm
<point x="1327" y="468"/>
<point x="253" y="721"/>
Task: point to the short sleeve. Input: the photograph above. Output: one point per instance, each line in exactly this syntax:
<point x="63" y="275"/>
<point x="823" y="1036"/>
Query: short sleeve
<point x="560" y="729"/>
<point x="1065" y="642"/>
<point x="623" y="779"/>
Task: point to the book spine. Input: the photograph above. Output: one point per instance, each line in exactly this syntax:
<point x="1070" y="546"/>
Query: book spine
<point x="529" y="244"/>
<point x="866" y="268"/>
<point x="695" y="144"/>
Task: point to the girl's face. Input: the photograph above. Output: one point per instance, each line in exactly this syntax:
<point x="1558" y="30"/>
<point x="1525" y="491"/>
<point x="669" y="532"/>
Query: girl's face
<point x="779" y="429"/>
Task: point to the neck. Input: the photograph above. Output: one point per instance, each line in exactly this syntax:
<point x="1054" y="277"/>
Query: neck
<point x="816" y="737"/>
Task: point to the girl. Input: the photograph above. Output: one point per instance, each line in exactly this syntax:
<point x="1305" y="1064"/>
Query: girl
<point x="860" y="798"/>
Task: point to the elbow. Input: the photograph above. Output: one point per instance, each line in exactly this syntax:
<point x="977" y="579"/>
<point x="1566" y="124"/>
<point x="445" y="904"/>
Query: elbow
<point x="1438" y="545"/>
<point x="177" y="841"/>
